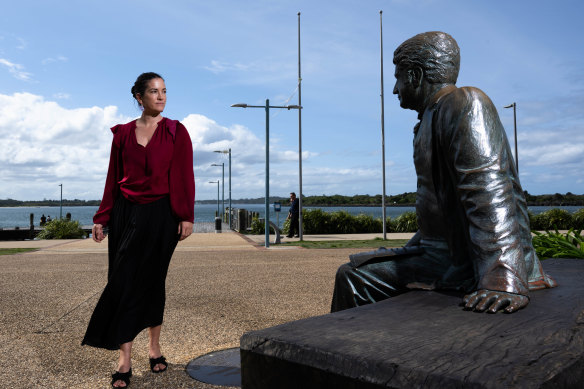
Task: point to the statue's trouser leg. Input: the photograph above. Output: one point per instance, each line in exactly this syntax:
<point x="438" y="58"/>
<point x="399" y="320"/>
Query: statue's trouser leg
<point x="373" y="282"/>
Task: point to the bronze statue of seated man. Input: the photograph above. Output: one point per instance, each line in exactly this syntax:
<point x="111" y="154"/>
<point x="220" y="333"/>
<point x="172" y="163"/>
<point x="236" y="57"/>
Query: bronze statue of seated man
<point x="474" y="234"/>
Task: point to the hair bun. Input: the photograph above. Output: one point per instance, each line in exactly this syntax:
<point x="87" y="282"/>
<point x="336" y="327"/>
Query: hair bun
<point x="142" y="82"/>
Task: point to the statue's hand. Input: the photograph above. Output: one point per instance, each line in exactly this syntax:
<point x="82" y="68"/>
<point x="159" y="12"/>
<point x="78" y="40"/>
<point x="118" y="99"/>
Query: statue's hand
<point x="494" y="300"/>
<point x="415" y="240"/>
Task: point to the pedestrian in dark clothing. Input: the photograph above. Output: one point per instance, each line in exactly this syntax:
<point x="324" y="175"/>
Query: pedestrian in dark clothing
<point x="293" y="216"/>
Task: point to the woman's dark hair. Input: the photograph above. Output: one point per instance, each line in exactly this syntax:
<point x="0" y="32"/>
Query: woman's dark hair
<point x="142" y="82"/>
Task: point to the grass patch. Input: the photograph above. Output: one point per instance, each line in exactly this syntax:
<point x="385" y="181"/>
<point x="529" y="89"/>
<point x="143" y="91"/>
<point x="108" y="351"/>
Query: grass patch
<point x="346" y="244"/>
<point x="4" y="251"/>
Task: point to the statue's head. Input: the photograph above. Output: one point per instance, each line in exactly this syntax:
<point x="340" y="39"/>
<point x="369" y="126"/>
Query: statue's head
<point x="431" y="57"/>
<point x="436" y="52"/>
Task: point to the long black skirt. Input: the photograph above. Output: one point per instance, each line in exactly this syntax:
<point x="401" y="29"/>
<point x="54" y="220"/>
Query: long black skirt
<point x="141" y="241"/>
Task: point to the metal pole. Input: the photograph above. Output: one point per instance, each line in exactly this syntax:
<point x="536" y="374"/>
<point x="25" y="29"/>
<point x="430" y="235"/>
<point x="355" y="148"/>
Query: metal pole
<point x="383" y="214"/>
<point x="223" y="191"/>
<point x="230" y="188"/>
<point x="267" y="218"/>
<point x="61" y="206"/>
<point x="515" y="127"/>
<point x="300" y="230"/>
<point x="514" y="106"/>
<point x="218" y="213"/>
<point x="267" y="195"/>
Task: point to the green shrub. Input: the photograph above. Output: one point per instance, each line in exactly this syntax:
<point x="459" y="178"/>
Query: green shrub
<point x="286" y="226"/>
<point x="556" y="218"/>
<point x="367" y="224"/>
<point x="406" y="222"/>
<point x="578" y="218"/>
<point x="342" y="222"/>
<point x="258" y="227"/>
<point x="557" y="245"/>
<point x="532" y="221"/>
<point x="315" y="221"/>
<point x="61" y="229"/>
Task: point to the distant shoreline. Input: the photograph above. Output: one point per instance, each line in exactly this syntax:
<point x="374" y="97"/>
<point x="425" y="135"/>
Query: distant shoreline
<point x="207" y="202"/>
<point x="407" y="199"/>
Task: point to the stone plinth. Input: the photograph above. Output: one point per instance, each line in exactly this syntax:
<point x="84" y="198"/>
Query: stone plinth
<point x="426" y="340"/>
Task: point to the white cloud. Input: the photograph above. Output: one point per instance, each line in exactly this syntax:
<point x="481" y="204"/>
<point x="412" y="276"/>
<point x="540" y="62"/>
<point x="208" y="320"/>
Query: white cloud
<point x="265" y="71"/>
<point x="59" y="58"/>
<point x="16" y="70"/>
<point x="217" y="67"/>
<point x="44" y="144"/>
<point x="21" y="44"/>
<point x="62" y="96"/>
<point x="293" y="155"/>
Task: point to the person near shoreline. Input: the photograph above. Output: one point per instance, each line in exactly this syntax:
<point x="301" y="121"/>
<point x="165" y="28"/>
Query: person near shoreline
<point x="474" y="234"/>
<point x="147" y="207"/>
<point x="293" y="215"/>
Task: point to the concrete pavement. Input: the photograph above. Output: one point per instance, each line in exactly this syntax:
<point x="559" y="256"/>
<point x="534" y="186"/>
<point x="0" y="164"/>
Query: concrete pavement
<point x="218" y="287"/>
<point x="260" y="239"/>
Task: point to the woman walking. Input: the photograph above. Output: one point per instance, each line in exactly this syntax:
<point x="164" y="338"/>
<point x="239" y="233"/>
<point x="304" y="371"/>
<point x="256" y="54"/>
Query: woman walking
<point x="147" y="206"/>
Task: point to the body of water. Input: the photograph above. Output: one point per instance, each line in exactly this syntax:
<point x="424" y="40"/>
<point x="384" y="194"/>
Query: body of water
<point x="11" y="217"/>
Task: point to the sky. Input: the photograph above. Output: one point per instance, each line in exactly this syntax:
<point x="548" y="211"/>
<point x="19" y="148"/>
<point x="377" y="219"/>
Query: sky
<point x="66" y="69"/>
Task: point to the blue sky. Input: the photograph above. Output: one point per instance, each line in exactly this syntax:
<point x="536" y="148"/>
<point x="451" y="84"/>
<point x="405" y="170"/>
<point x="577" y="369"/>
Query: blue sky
<point x="66" y="68"/>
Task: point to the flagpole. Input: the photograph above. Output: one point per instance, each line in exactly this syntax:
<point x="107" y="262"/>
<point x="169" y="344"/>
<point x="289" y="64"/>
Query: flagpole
<point x="300" y="231"/>
<point x="382" y="130"/>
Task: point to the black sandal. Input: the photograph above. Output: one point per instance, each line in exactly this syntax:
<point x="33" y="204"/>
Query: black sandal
<point x="156" y="361"/>
<point x="124" y="377"/>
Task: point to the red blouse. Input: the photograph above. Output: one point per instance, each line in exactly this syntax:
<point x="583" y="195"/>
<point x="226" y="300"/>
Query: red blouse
<point x="146" y="174"/>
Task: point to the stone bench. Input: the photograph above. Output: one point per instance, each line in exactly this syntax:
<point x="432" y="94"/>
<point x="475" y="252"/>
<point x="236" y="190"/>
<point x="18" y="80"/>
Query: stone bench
<point x="425" y="339"/>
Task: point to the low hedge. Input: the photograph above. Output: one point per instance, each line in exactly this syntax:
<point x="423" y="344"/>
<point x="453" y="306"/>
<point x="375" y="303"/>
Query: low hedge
<point x="317" y="221"/>
<point x="61" y="229"/>
<point x="557" y="219"/>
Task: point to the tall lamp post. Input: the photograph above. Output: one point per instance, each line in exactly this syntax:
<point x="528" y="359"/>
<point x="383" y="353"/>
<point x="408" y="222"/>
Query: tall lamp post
<point x="61" y="205"/>
<point x="514" y="106"/>
<point x="267" y="108"/>
<point x="216" y="182"/>
<point x="222" y="164"/>
<point x="227" y="152"/>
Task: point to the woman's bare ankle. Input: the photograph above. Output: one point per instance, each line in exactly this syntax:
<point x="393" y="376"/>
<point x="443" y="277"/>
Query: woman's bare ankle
<point x="124" y="367"/>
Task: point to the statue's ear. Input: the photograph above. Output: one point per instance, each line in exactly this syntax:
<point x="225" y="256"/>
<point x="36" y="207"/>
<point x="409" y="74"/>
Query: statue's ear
<point x="415" y="76"/>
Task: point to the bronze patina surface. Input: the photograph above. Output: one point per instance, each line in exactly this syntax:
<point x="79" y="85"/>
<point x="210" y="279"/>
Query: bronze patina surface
<point x="474" y="233"/>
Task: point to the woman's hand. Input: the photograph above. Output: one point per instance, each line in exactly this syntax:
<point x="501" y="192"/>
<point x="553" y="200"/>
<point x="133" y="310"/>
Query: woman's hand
<point x="184" y="229"/>
<point x="97" y="233"/>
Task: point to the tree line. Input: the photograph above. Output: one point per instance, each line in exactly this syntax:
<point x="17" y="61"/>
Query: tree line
<point x="404" y="199"/>
<point x="48" y="203"/>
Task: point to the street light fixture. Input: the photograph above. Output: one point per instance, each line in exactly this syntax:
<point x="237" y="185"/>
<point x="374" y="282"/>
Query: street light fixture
<point x="222" y="164"/>
<point x="216" y="182"/>
<point x="514" y="106"/>
<point x="227" y="152"/>
<point x="267" y="200"/>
